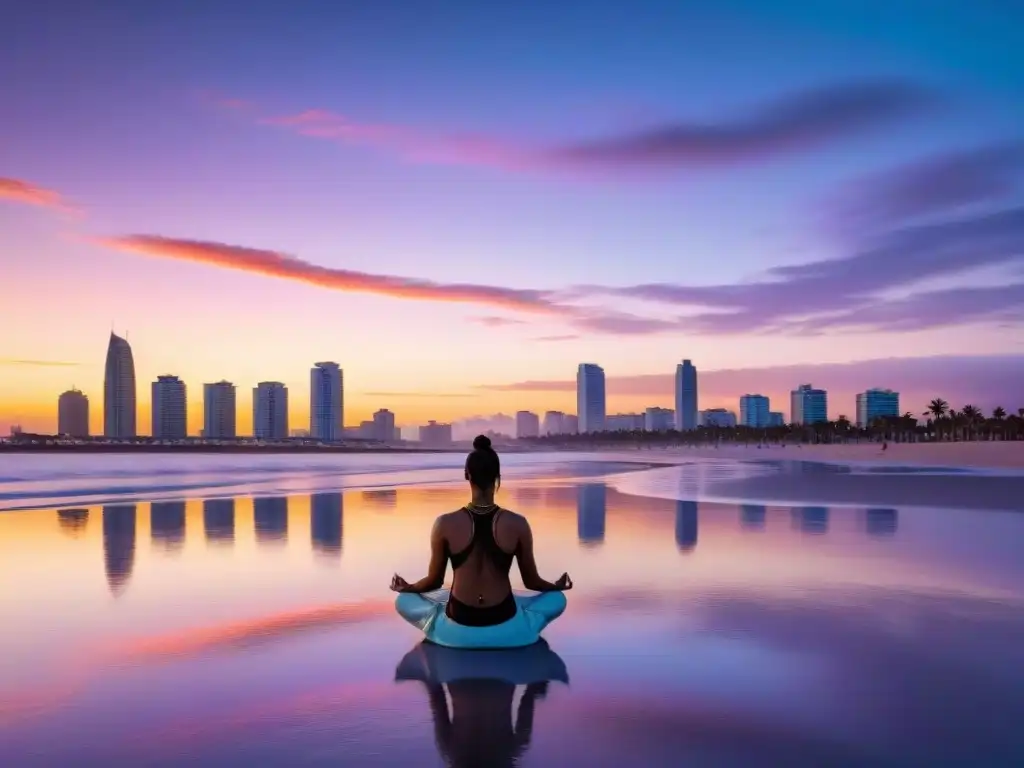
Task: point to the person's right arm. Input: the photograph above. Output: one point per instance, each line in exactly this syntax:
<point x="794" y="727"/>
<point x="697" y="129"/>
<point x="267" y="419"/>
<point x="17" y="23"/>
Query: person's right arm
<point x="528" y="566"/>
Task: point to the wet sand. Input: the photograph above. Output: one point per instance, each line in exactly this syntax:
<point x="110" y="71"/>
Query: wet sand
<point x="977" y="455"/>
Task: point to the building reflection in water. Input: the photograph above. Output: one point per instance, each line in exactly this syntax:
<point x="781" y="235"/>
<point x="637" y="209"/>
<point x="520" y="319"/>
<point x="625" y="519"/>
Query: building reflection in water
<point x="219" y="520"/>
<point x="686" y="525"/>
<point x="73" y="521"/>
<point x="271" y="518"/>
<point x="481" y="728"/>
<point x="381" y="498"/>
<point x="591" y="511"/>
<point x="326" y="522"/>
<point x="752" y="516"/>
<point x="881" y="521"/>
<point x="167" y="524"/>
<point x="118" y="545"/>
<point x="811" y="519"/>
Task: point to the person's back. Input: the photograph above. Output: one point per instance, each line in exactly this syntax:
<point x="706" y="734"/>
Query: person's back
<point x="481" y="540"/>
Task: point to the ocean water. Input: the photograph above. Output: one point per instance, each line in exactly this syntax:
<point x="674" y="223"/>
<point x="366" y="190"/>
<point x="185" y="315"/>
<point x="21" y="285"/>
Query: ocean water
<point x="219" y="610"/>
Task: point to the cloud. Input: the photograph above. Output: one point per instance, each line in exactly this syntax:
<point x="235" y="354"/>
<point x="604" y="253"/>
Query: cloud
<point x="497" y="322"/>
<point x="558" y="337"/>
<point x="986" y="381"/>
<point x="826" y="293"/>
<point x="796" y="123"/>
<point x="940" y="184"/>
<point x="7" y="361"/>
<point x="17" y="191"/>
<point x="792" y="123"/>
<point x="275" y="264"/>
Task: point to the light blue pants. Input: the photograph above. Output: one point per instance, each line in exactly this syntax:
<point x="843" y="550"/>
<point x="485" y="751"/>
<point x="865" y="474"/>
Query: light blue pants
<point x="534" y="613"/>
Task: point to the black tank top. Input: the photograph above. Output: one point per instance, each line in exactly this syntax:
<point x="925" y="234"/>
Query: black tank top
<point x="483" y="539"/>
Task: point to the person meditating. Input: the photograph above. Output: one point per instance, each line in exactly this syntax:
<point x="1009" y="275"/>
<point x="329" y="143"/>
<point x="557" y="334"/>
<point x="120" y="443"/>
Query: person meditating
<point x="481" y="540"/>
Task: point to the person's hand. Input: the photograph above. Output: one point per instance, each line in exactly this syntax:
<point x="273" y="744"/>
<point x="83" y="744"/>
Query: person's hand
<point x="398" y="584"/>
<point x="563" y="583"/>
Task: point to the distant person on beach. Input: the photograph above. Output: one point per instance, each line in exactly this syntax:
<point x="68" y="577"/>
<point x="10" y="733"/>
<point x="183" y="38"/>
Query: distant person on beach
<point x="481" y="540"/>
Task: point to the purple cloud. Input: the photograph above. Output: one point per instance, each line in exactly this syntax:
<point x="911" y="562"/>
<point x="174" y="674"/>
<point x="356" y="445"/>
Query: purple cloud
<point x="558" y="337"/>
<point x="799" y="122"/>
<point x="793" y="123"/>
<point x="940" y="184"/>
<point x="826" y="293"/>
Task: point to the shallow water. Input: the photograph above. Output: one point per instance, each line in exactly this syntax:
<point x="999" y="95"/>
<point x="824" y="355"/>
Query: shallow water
<point x="253" y="624"/>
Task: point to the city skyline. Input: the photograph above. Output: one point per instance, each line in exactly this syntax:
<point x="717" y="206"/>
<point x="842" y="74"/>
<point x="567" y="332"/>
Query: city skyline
<point x="757" y="187"/>
<point x="272" y="407"/>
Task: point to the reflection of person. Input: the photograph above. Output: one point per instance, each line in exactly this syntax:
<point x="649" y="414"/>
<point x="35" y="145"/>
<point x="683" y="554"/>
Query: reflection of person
<point x="480" y="730"/>
<point x="481" y="540"/>
<point x="481" y="685"/>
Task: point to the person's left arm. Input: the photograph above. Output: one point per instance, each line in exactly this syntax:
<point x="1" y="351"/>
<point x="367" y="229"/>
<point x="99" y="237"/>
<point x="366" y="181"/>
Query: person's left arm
<point x="435" y="572"/>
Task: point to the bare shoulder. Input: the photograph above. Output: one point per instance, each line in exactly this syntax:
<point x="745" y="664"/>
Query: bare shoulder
<point x="511" y="518"/>
<point x="445" y="519"/>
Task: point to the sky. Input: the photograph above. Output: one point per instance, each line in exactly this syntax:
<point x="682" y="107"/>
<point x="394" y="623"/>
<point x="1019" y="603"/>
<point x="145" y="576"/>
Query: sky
<point x="459" y="202"/>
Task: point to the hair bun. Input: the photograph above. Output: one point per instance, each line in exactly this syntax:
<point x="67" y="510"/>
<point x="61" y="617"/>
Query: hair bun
<point x="482" y="443"/>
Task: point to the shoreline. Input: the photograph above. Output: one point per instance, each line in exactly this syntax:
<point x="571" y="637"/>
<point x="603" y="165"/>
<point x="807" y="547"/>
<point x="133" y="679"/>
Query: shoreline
<point x="962" y="455"/>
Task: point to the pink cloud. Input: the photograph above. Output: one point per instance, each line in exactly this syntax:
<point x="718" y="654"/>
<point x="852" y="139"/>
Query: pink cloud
<point x="280" y="265"/>
<point x="17" y="191"/>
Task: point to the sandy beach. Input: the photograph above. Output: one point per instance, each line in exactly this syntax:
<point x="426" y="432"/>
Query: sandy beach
<point x="904" y="475"/>
<point x="976" y="455"/>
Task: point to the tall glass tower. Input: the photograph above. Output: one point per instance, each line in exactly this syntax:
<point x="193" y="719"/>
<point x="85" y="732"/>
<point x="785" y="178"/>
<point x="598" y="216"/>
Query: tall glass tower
<point x="590" y="398"/>
<point x="686" y="396"/>
<point x="119" y="390"/>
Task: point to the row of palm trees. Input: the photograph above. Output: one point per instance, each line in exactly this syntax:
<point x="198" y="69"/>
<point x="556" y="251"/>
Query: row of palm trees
<point x="938" y="423"/>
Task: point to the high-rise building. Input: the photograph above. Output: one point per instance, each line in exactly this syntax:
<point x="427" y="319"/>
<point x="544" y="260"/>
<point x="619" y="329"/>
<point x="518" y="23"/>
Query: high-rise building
<point x="554" y="423"/>
<point x="436" y="435"/>
<point x="718" y="417"/>
<point x="776" y="419"/>
<point x="73" y="414"/>
<point x="876" y="403"/>
<point x="326" y="402"/>
<point x="170" y="409"/>
<point x="119" y="408"/>
<point x="571" y="424"/>
<point x="270" y="411"/>
<point x="384" y="426"/>
<point x="219" y="411"/>
<point x="659" y="419"/>
<point x="686" y="396"/>
<point x="527" y="424"/>
<point x="754" y="410"/>
<point x="590" y="398"/>
<point x="808" y="405"/>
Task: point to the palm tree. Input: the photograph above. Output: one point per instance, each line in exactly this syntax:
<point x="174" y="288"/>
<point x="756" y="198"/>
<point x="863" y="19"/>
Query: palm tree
<point x="971" y="416"/>
<point x="936" y="413"/>
<point x="998" y="413"/>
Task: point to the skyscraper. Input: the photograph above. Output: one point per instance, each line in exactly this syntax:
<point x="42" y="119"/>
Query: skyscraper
<point x="219" y="411"/>
<point x="590" y="398"/>
<point x="73" y="414"/>
<point x="876" y="403"/>
<point x="170" y="409"/>
<point x="754" y="410"/>
<point x="686" y="396"/>
<point x="119" y="390"/>
<point x="808" y="405"/>
<point x="384" y="426"/>
<point x="270" y="411"/>
<point x="326" y="402"/>
<point x="527" y="424"/>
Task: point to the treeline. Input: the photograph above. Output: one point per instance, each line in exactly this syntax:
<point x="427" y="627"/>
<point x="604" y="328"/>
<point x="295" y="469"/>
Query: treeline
<point x="939" y="422"/>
